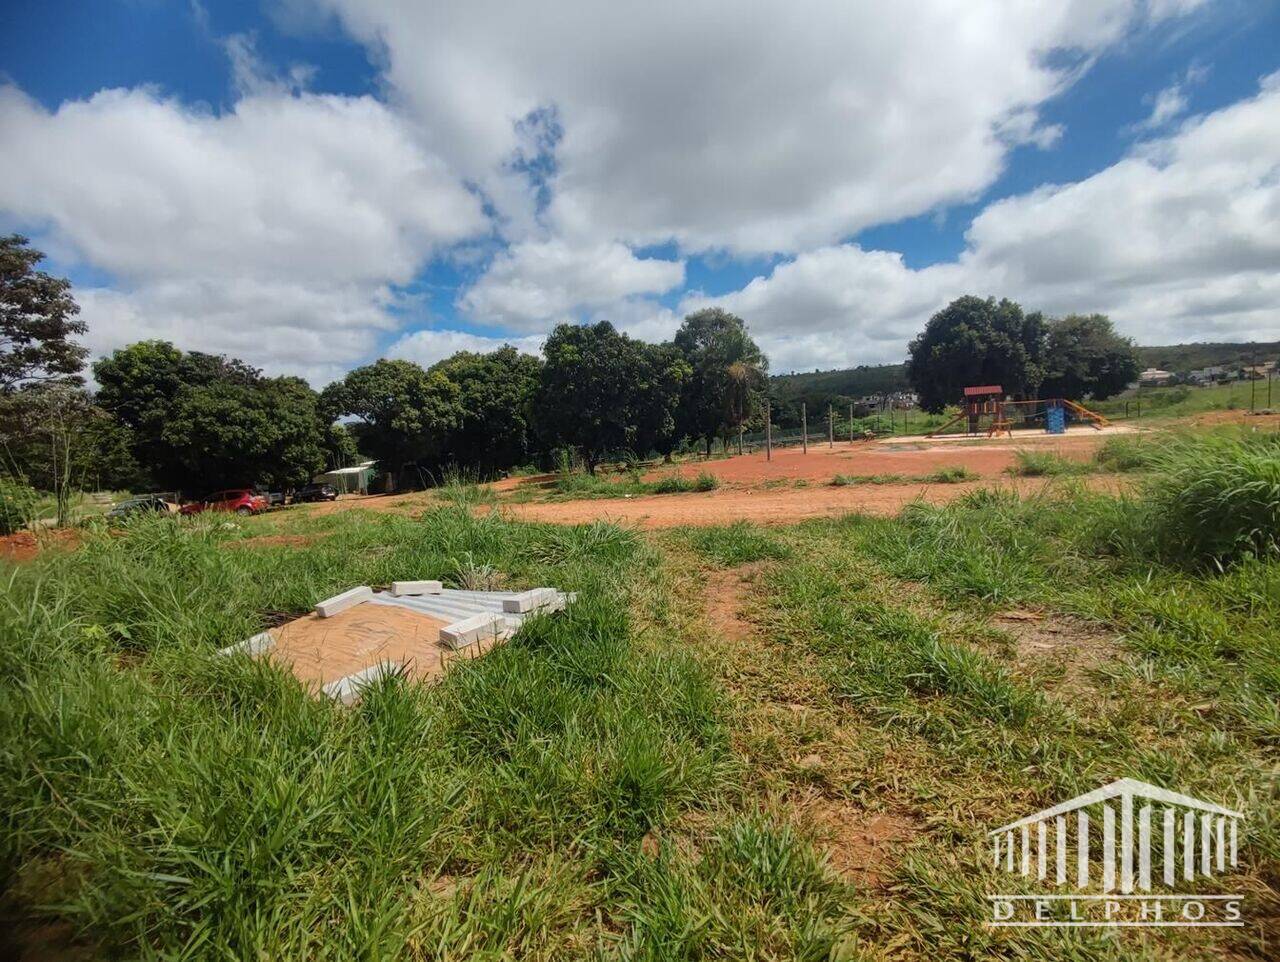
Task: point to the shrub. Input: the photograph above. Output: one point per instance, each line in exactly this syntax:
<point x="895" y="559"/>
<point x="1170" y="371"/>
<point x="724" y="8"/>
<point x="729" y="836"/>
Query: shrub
<point x="1043" y="464"/>
<point x="672" y="484"/>
<point x="1127" y="454"/>
<point x="954" y="474"/>
<point x="17" y="505"/>
<point x="706" y="481"/>
<point x="1216" y="502"/>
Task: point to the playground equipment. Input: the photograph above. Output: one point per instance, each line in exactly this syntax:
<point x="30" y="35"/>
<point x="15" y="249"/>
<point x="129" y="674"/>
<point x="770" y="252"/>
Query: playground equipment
<point x="986" y="411"/>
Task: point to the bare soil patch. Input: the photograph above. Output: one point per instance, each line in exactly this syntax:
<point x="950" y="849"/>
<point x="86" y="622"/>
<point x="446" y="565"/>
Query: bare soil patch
<point x="864" y="847"/>
<point x="725" y="592"/>
<point x="1072" y="644"/>
<point x="24" y="545"/>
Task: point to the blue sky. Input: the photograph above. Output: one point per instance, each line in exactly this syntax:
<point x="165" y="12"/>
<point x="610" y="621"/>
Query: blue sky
<point x="493" y="174"/>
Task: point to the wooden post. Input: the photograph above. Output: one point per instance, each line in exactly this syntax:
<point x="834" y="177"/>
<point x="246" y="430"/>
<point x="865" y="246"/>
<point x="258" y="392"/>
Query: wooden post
<point x="804" y="427"/>
<point x="850" y="423"/>
<point x="768" y="430"/>
<point x="740" y="430"/>
<point x="831" y="427"/>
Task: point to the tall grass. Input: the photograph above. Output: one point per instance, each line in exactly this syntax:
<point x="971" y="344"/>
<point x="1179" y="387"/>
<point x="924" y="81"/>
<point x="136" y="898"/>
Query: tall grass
<point x="1216" y="501"/>
<point x="173" y="804"/>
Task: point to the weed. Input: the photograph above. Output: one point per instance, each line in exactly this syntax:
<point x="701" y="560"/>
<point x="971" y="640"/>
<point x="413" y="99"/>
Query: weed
<point x="735" y="544"/>
<point x="953" y="474"/>
<point x="1043" y="464"/>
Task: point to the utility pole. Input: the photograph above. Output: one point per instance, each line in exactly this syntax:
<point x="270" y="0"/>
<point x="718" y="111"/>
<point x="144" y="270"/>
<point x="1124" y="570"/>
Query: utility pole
<point x="831" y="427"/>
<point x="1253" y="384"/>
<point x="850" y="423"/>
<point x="768" y="430"/>
<point x="804" y="427"/>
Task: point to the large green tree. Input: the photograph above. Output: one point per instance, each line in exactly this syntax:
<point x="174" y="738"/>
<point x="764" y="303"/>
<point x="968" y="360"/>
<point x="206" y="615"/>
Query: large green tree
<point x="973" y="341"/>
<point x="603" y="392"/>
<point x="404" y="415"/>
<point x="201" y="421"/>
<point x="1084" y="356"/>
<point x="727" y="374"/>
<point x="37" y="320"/>
<point x="496" y="393"/>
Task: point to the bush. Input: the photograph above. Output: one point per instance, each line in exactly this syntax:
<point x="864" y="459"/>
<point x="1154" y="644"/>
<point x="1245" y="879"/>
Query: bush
<point x="1127" y="454"/>
<point x="1217" y="501"/>
<point x="1044" y="464"/>
<point x="672" y="484"/>
<point x="17" y="505"/>
<point x="954" y="474"/>
<point x="706" y="481"/>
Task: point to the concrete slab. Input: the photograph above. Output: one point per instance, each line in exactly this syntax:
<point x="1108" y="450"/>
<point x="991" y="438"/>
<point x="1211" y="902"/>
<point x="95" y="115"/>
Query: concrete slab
<point x="348" y="689"/>
<point x="474" y="629"/>
<point x="332" y="606"/>
<point x="256" y="645"/>
<point x="530" y="600"/>
<point x="402" y="588"/>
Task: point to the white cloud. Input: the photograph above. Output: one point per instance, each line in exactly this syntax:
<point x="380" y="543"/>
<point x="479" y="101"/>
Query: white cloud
<point x="536" y="283"/>
<point x="768" y="126"/>
<point x="428" y="346"/>
<point x="274" y="229"/>
<point x="1177" y="242"/>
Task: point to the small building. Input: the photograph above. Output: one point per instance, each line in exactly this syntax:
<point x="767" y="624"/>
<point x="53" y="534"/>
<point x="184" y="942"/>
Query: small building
<point x="1153" y="377"/>
<point x="352" y="480"/>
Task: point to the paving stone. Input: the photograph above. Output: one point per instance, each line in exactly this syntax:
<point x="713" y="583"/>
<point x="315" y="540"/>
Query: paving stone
<point x="468" y="631"/>
<point x="402" y="588"/>
<point x="331" y="606"/>
<point x="530" y="600"/>
<point x="250" y="646"/>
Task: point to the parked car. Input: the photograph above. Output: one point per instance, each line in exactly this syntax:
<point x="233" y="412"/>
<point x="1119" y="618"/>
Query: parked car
<point x="274" y="498"/>
<point x="315" y="492"/>
<point x="144" y="504"/>
<point x="239" y="500"/>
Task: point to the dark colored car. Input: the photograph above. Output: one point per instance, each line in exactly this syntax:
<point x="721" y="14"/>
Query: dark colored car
<point x="315" y="492"/>
<point x="145" y="504"/>
<point x="238" y="500"/>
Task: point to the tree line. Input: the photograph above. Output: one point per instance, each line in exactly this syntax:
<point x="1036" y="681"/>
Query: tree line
<point x="163" y="418"/>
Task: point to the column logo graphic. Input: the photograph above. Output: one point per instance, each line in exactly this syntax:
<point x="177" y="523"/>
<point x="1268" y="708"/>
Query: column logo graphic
<point x="1127" y="854"/>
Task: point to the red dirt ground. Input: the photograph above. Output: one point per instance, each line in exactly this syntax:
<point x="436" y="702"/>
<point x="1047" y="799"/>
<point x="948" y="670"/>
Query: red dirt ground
<point x="24" y="545"/>
<point x="755" y="489"/>
<point x="763" y="506"/>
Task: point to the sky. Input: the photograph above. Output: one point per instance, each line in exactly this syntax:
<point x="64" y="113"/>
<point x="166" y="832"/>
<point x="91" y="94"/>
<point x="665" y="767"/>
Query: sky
<point x="309" y="185"/>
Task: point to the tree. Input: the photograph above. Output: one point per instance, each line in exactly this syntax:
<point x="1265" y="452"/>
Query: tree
<point x="55" y="439"/>
<point x="601" y="391"/>
<point x="340" y="450"/>
<point x="664" y="374"/>
<point x="202" y="421"/>
<point x="727" y="374"/>
<point x="495" y="393"/>
<point x="1085" y="356"/>
<point x="973" y="341"/>
<point x="405" y="413"/>
<point x="37" y="320"/>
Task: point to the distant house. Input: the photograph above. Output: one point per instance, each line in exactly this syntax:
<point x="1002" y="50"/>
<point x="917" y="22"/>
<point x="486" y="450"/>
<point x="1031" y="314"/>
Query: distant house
<point x="1154" y="377"/>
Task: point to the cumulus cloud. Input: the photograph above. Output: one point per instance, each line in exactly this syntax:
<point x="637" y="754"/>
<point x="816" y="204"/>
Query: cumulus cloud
<point x="757" y="127"/>
<point x="278" y="226"/>
<point x="1177" y="242"/>
<point x="429" y="346"/>
<point x="536" y="283"/>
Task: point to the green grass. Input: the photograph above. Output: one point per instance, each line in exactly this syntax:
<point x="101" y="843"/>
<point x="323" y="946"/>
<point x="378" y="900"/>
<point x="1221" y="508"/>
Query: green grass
<point x="629" y="780"/>
<point x="580" y="485"/>
<point x="951" y="474"/>
<point x="1045" y="464"/>
<point x="1180" y="401"/>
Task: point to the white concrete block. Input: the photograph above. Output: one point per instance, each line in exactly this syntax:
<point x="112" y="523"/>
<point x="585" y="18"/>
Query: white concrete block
<point x="250" y="646"/>
<point x="530" y="600"/>
<point x="348" y="599"/>
<point x="348" y="689"/>
<point x="401" y="588"/>
<point x="482" y="627"/>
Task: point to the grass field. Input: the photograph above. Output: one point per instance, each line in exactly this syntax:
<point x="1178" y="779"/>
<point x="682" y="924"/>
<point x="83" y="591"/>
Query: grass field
<point x="741" y="743"/>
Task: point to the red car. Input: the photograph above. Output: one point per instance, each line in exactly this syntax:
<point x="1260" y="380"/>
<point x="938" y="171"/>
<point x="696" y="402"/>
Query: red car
<point x="239" y="500"/>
